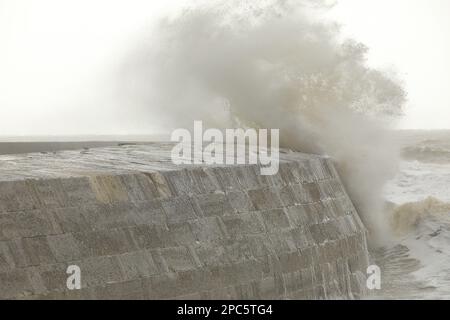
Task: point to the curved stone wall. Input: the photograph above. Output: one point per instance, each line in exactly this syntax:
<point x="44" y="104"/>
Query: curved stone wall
<point x="140" y="227"/>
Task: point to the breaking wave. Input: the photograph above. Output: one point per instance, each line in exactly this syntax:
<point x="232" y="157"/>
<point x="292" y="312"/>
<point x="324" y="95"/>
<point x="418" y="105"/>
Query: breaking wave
<point x="416" y="265"/>
<point x="428" y="151"/>
<point x="408" y="216"/>
<point x="275" y="64"/>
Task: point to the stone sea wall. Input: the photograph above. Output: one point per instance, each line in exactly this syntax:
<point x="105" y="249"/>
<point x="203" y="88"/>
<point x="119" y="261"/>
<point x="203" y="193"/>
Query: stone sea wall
<point x="140" y="227"/>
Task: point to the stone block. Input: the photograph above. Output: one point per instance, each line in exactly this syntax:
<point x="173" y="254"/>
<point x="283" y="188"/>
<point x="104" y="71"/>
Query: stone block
<point x="310" y="254"/>
<point x="326" y="190"/>
<point x="179" y="210"/>
<point x="16" y="196"/>
<point x="239" y="251"/>
<point x="208" y="230"/>
<point x="73" y="219"/>
<point x="296" y="194"/>
<point x="211" y="255"/>
<point x="288" y="173"/>
<point x="109" y="189"/>
<point x="196" y="280"/>
<point x="244" y="224"/>
<point x="290" y="261"/>
<point x="297" y="215"/>
<point x="323" y="211"/>
<point x="292" y="281"/>
<point x="305" y="172"/>
<point x="109" y="216"/>
<point x="181" y="234"/>
<point x="313" y="192"/>
<point x="148" y="237"/>
<point x="137" y="264"/>
<point x="245" y="291"/>
<point x="164" y="286"/>
<point x="313" y="213"/>
<point x="77" y="191"/>
<point x="226" y="177"/>
<point x="240" y="201"/>
<point x="318" y="233"/>
<point x="33" y="251"/>
<point x="53" y="277"/>
<point x="265" y="199"/>
<point x="337" y="187"/>
<point x="65" y="248"/>
<point x="232" y="275"/>
<point x="49" y="192"/>
<point x="328" y="168"/>
<point x="302" y="238"/>
<point x="100" y="271"/>
<point x="26" y="224"/>
<point x="348" y="225"/>
<point x="148" y="213"/>
<point x="260" y="245"/>
<point x="182" y="183"/>
<point x="358" y="285"/>
<point x="103" y="242"/>
<point x="15" y="283"/>
<point x="164" y="188"/>
<point x="248" y="178"/>
<point x="275" y="181"/>
<point x="6" y="259"/>
<point x="178" y="259"/>
<point x="282" y="242"/>
<point x="275" y="220"/>
<point x="139" y="187"/>
<point x="214" y="204"/>
<point x="332" y="230"/>
<point x="318" y="168"/>
<point x="266" y="289"/>
<point x="289" y="196"/>
<point x="205" y="180"/>
<point x="160" y="263"/>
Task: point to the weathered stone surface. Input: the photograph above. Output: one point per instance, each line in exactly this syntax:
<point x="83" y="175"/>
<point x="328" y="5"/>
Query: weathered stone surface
<point x="140" y="227"/>
<point x="14" y="283"/>
<point x="138" y="264"/>
<point x="26" y="224"/>
<point x="214" y="204"/>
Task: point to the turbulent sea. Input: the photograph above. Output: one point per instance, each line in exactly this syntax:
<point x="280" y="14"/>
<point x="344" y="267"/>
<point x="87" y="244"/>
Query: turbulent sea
<point x="416" y="265"/>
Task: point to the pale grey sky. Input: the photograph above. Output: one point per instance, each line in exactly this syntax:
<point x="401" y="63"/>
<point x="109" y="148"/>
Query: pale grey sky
<point x="54" y="50"/>
<point x="412" y="37"/>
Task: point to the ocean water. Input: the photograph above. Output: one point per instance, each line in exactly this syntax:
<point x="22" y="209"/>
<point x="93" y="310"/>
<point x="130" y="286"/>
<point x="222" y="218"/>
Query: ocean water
<point x="416" y="265"/>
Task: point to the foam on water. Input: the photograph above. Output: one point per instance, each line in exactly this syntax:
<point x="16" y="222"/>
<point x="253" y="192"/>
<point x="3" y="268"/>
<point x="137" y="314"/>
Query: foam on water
<point x="417" y="264"/>
<point x="418" y="180"/>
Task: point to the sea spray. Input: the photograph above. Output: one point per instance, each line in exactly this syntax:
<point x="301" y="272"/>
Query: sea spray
<point x="275" y="64"/>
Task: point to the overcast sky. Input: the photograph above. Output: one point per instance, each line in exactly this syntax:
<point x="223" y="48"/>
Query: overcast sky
<point x="54" y="50"/>
<point x="412" y="37"/>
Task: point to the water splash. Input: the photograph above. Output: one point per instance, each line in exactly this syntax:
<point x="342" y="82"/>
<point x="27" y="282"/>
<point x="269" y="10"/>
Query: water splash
<point x="277" y="64"/>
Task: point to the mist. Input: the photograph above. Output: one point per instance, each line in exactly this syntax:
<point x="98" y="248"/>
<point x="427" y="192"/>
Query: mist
<point x="277" y="64"/>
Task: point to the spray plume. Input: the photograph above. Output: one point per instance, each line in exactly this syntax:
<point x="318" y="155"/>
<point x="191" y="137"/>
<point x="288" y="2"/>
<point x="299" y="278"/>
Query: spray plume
<point x="276" y="64"/>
